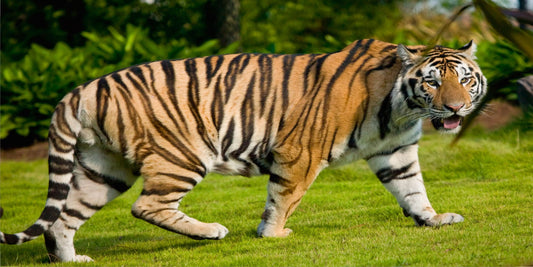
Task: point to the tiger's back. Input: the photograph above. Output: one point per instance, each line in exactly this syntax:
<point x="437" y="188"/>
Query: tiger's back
<point x="225" y="110"/>
<point x="288" y="116"/>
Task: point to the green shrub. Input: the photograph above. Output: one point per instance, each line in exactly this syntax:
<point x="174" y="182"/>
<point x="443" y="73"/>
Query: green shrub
<point x="502" y="64"/>
<point x="32" y="86"/>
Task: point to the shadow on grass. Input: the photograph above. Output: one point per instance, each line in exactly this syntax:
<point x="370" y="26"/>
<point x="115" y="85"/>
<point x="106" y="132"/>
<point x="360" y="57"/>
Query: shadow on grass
<point x="34" y="252"/>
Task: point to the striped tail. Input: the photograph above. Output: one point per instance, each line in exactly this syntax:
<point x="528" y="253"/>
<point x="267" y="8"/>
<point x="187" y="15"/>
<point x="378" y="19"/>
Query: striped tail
<point x="64" y="130"/>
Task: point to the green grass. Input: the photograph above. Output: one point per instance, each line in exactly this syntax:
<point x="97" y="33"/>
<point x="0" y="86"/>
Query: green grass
<point x="346" y="218"/>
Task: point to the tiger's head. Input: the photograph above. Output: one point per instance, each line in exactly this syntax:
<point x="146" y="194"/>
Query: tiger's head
<point x="443" y="84"/>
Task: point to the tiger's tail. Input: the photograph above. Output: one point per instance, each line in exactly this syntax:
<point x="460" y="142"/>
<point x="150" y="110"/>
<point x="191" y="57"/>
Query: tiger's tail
<point x="64" y="130"/>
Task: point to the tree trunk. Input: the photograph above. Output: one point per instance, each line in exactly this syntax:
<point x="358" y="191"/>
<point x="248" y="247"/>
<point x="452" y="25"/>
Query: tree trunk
<point x="525" y="94"/>
<point x="223" y="20"/>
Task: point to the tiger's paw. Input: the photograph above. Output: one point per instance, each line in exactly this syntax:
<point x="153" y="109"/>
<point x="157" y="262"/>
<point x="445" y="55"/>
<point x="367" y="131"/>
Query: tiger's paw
<point x="209" y="231"/>
<point x="283" y="233"/>
<point x="82" y="258"/>
<point x="441" y="219"/>
<point x="219" y="231"/>
<point x="263" y="231"/>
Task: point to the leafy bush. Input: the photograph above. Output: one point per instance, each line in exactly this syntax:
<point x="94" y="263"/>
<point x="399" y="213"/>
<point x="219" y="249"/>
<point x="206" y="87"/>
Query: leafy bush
<point x="47" y="22"/>
<point x="313" y="26"/>
<point x="502" y="64"/>
<point x="32" y="86"/>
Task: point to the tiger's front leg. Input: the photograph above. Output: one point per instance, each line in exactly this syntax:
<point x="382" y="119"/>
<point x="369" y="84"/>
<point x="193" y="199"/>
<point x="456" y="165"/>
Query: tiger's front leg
<point x="400" y="173"/>
<point x="285" y="193"/>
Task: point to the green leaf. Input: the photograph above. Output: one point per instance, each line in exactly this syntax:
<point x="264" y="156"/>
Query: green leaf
<point x="503" y="26"/>
<point x="45" y="109"/>
<point x="7" y="125"/>
<point x="116" y="34"/>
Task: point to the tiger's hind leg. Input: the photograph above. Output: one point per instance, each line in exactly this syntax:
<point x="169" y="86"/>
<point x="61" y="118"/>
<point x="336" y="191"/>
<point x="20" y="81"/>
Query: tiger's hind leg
<point x="99" y="177"/>
<point x="165" y="185"/>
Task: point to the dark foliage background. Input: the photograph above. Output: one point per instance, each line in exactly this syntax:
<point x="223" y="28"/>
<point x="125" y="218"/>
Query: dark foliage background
<point x="48" y="47"/>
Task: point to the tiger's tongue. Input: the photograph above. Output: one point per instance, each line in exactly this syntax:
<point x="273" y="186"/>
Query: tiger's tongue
<point x="452" y="122"/>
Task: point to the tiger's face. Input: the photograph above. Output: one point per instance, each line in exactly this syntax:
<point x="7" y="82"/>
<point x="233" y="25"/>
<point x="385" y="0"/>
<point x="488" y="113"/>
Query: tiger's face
<point x="444" y="85"/>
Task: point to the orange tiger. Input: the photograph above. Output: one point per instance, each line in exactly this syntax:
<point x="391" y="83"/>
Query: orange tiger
<point x="289" y="116"/>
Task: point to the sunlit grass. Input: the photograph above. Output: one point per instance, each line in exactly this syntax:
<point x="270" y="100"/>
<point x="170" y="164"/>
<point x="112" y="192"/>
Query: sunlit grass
<point x="346" y="218"/>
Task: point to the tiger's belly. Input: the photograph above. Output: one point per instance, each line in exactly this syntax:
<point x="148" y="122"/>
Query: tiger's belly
<point x="239" y="166"/>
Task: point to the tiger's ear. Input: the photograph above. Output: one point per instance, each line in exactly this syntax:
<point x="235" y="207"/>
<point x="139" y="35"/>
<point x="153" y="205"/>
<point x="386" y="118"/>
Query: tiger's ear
<point x="469" y="49"/>
<point x="406" y="56"/>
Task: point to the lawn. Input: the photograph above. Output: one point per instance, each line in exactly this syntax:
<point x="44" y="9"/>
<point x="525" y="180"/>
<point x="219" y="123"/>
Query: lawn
<point x="346" y="218"/>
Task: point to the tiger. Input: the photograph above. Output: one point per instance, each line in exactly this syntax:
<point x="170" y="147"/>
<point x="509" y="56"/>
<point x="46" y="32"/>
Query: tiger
<point x="286" y="116"/>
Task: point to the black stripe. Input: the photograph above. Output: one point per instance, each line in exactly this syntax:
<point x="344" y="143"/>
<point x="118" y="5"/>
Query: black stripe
<point x="217" y="107"/>
<point x="61" y="123"/>
<point x="419" y="221"/>
<point x="118" y="79"/>
<point x="410" y="102"/>
<point x="412" y="83"/>
<point x="59" y="165"/>
<point x="121" y="129"/>
<point x="352" y="143"/>
<point x="434" y="63"/>
<point x="265" y="79"/>
<point x="75" y="214"/>
<point x="170" y="200"/>
<point x="34" y="230"/>
<point x="365" y="106"/>
<point x="209" y="71"/>
<point x="99" y="178"/>
<point x="51" y="245"/>
<point x="245" y="62"/>
<point x="146" y="213"/>
<point x="50" y="213"/>
<point x="91" y="206"/>
<point x="384" y="115"/>
<point x="228" y="139"/>
<point x="57" y="191"/>
<point x="308" y="70"/>
<point x="185" y="179"/>
<point x="412" y="194"/>
<point x="263" y="163"/>
<point x="59" y="144"/>
<point x="120" y="119"/>
<point x="231" y="75"/>
<point x="168" y="189"/>
<point x="170" y="76"/>
<point x="332" y="143"/>
<point x="75" y="101"/>
<point x="386" y="175"/>
<point x="102" y="103"/>
<point x="288" y="62"/>
<point x="10" y="239"/>
<point x="274" y="178"/>
<point x="387" y="63"/>
<point x="140" y="74"/>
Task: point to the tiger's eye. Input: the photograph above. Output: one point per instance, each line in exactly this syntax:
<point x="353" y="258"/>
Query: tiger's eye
<point x="432" y="83"/>
<point x="465" y="80"/>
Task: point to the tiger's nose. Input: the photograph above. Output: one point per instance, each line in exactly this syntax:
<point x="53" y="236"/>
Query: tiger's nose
<point x="454" y="107"/>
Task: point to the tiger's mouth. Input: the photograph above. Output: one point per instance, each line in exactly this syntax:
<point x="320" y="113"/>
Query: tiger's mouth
<point x="447" y="124"/>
